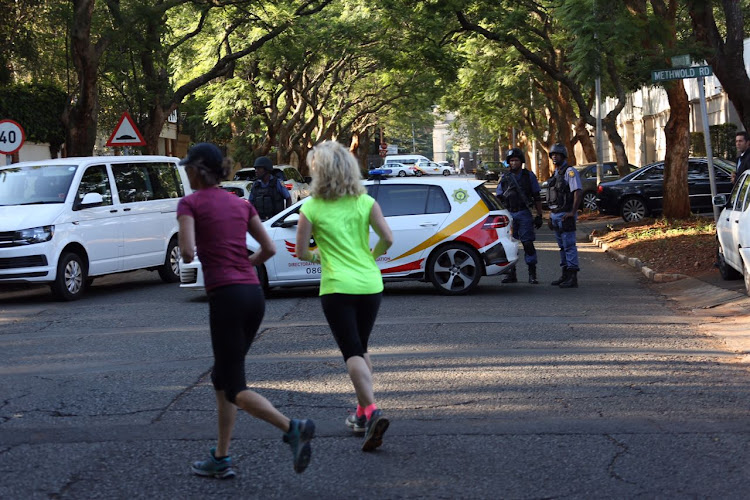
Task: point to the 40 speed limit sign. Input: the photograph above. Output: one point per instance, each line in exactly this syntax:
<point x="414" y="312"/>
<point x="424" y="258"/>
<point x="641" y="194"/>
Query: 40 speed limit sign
<point x="11" y="137"/>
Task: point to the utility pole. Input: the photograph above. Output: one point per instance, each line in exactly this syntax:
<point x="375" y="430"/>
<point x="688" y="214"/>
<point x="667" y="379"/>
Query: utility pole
<point x="413" y="139"/>
<point x="598" y="85"/>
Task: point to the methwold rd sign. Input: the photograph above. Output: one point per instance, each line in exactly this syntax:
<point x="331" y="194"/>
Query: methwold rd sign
<point x="660" y="75"/>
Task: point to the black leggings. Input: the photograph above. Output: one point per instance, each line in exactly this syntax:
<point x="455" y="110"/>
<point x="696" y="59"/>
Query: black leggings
<point x="235" y="314"/>
<point x="351" y="318"/>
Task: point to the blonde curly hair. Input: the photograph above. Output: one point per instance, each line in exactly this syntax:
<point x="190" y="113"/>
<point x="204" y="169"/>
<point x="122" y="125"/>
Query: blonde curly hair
<point x="335" y="171"/>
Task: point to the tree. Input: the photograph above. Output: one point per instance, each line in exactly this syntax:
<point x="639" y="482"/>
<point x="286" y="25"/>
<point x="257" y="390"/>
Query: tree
<point x="724" y="48"/>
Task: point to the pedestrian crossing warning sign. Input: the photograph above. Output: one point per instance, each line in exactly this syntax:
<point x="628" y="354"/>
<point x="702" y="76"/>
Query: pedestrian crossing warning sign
<point x="126" y="133"/>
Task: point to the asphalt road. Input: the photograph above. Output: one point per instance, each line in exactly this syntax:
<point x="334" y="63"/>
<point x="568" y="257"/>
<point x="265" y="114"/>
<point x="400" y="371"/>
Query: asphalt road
<point x="516" y="391"/>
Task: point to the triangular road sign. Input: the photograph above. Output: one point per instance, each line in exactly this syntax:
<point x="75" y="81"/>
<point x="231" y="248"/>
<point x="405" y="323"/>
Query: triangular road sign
<point x="126" y="133"/>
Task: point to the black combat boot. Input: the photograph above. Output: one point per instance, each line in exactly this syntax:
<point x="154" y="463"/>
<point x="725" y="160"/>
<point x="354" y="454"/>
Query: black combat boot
<point x="532" y="274"/>
<point x="510" y="277"/>
<point x="571" y="281"/>
<point x="562" y="278"/>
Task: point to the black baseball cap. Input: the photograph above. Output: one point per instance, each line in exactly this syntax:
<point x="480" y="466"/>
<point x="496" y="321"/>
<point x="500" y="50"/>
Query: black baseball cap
<point x="263" y="162"/>
<point x="209" y="153"/>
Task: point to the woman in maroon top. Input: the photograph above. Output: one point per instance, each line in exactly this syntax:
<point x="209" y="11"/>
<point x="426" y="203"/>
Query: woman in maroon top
<point x="215" y="222"/>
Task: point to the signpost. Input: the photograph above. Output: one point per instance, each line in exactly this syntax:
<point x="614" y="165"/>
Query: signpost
<point x="699" y="72"/>
<point x="12" y="138"/>
<point x="383" y="149"/>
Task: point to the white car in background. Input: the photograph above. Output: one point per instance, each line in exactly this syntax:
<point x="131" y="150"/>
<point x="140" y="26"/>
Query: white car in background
<point x="239" y="188"/>
<point x="449" y="232"/>
<point x="432" y="168"/>
<point x="400" y="170"/>
<point x="733" y="232"/>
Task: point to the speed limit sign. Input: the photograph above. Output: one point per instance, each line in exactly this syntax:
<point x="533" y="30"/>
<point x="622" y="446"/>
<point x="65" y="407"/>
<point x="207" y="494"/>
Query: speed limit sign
<point x="11" y="137"/>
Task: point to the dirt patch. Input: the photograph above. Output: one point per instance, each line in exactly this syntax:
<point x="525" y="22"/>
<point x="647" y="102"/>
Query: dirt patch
<point x="681" y="246"/>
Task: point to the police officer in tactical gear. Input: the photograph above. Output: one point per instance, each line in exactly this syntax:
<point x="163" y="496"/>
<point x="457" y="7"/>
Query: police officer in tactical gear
<point x="518" y="189"/>
<point x="268" y="194"/>
<point x="564" y="198"/>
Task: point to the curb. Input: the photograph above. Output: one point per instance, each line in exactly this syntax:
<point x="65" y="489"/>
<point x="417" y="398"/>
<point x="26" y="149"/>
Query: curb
<point x="636" y="263"/>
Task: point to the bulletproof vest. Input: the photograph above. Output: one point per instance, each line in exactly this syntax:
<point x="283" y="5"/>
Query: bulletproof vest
<point x="267" y="200"/>
<point x="513" y="199"/>
<point x="559" y="197"/>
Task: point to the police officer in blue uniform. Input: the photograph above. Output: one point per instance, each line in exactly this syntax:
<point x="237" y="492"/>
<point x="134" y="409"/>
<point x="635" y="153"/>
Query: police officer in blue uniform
<point x="268" y="194"/>
<point x="518" y="189"/>
<point x="564" y="198"/>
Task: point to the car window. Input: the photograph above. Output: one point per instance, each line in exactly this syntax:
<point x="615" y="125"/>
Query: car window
<point x="721" y="174"/>
<point x="589" y="172"/>
<point x="403" y="199"/>
<point x="234" y="190"/>
<point x="437" y="202"/>
<point x="655" y="173"/>
<point x="245" y="175"/>
<point x="610" y="170"/>
<point x="697" y="170"/>
<point x="146" y="181"/>
<point x="35" y="184"/>
<point x="95" y="180"/>
<point x="742" y="198"/>
<point x="492" y="201"/>
<point x="735" y="195"/>
<point x="293" y="173"/>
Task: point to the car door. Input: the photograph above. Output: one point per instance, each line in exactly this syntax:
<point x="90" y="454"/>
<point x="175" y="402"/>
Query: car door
<point x="728" y="225"/>
<point x="98" y="228"/>
<point x="415" y="213"/>
<point x="650" y="184"/>
<point x="285" y="266"/>
<point x="699" y="186"/>
<point x="145" y="206"/>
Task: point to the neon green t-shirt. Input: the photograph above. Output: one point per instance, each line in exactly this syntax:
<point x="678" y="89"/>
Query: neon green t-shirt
<point x="341" y="229"/>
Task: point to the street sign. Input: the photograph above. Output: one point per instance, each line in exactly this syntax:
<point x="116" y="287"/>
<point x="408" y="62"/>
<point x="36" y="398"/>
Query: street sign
<point x="681" y="61"/>
<point x="126" y="133"/>
<point x="383" y="146"/>
<point x="12" y="137"/>
<point x="661" y="75"/>
<point x="383" y="153"/>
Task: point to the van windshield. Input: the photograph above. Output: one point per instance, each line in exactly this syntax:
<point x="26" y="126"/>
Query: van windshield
<point x="35" y="184"/>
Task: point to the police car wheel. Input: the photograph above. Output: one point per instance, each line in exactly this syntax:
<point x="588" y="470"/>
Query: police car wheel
<point x="633" y="209"/>
<point x="726" y="271"/>
<point x="402" y="173"/>
<point x="454" y="269"/>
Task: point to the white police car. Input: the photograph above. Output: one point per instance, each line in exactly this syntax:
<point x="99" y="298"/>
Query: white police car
<point x="449" y="232"/>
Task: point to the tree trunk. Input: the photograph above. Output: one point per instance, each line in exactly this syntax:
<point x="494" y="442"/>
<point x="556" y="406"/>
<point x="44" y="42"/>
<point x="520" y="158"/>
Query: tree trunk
<point x="583" y="138"/>
<point x="153" y="127"/>
<point x="615" y="139"/>
<point x="81" y="111"/>
<point x="677" y="132"/>
<point x="726" y="57"/>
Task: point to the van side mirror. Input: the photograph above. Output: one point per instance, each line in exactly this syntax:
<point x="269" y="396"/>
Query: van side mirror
<point x="89" y="200"/>
<point x="720" y="200"/>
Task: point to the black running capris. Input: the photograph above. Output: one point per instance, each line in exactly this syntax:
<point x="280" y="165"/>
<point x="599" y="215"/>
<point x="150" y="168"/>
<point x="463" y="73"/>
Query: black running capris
<point x="351" y="318"/>
<point x="235" y="314"/>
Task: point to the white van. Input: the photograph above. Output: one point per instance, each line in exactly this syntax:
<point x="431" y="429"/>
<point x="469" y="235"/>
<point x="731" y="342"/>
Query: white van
<point x="422" y="163"/>
<point x="68" y="220"/>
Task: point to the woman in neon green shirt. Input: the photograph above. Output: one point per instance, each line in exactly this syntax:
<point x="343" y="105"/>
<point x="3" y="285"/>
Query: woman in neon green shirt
<point x="340" y="214"/>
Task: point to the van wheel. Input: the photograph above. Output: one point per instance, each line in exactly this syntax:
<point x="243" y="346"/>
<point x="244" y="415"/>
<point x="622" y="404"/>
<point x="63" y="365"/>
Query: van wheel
<point x="70" y="281"/>
<point x="454" y="269"/>
<point x="169" y="272"/>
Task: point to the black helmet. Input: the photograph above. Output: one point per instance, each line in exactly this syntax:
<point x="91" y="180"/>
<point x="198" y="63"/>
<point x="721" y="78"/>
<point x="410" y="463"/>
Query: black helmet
<point x="558" y="148"/>
<point x="515" y="153"/>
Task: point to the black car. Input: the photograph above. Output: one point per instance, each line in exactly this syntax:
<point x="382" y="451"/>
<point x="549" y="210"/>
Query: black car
<point x="587" y="171"/>
<point x="640" y="193"/>
<point x="490" y="171"/>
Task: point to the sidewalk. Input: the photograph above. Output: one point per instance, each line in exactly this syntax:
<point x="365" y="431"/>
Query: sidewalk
<point x="723" y="312"/>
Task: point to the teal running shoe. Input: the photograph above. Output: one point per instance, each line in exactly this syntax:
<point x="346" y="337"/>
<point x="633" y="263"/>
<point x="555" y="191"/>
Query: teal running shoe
<point x="376" y="427"/>
<point x="355" y="423"/>
<point x="299" y="436"/>
<point x="212" y="467"/>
